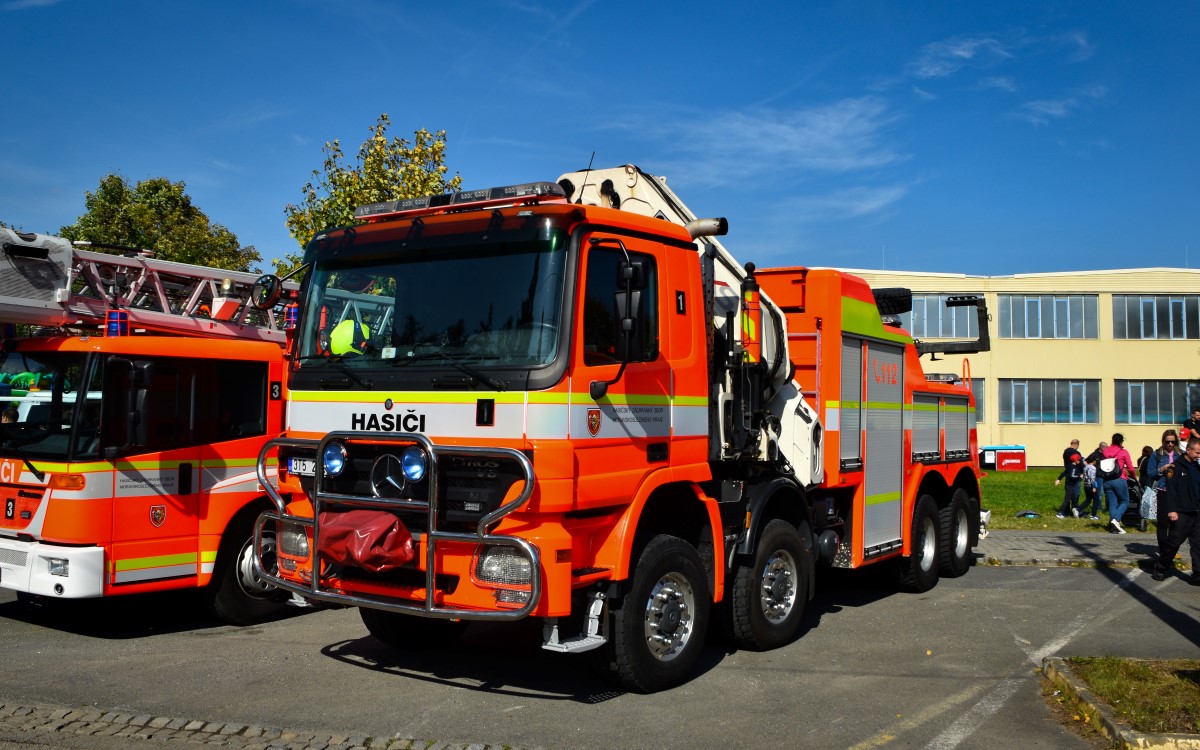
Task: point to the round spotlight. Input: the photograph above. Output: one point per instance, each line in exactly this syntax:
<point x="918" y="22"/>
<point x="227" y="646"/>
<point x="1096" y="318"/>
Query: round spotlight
<point x="335" y="459"/>
<point x="413" y="463"/>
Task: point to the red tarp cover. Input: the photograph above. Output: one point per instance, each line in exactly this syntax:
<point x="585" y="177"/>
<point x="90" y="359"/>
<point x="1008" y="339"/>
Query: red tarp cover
<point x="371" y="539"/>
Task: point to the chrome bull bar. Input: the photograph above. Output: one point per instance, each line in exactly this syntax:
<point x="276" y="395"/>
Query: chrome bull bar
<point x="427" y="540"/>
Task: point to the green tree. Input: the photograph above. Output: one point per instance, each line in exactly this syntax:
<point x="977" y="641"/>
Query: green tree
<point x="158" y="215"/>
<point x="385" y="170"/>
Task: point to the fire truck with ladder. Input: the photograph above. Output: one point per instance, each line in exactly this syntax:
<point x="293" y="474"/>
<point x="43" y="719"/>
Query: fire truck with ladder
<point x="568" y="401"/>
<point x="132" y="425"/>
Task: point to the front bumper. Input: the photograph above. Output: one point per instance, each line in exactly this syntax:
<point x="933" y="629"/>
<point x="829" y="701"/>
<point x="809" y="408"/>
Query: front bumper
<point x="442" y="554"/>
<point x="25" y="566"/>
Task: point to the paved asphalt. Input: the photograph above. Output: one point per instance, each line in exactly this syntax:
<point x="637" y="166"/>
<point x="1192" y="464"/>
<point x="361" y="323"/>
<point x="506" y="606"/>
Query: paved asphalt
<point x="29" y="726"/>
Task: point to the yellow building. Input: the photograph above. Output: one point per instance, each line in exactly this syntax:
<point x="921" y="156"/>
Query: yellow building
<point x="1074" y="355"/>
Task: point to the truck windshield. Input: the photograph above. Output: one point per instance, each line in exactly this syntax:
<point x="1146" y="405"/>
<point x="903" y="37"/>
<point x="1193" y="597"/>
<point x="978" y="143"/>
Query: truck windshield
<point x="43" y="396"/>
<point x="455" y="304"/>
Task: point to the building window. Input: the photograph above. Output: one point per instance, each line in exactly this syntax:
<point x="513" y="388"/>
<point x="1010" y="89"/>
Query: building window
<point x="977" y="391"/>
<point x="1049" y="401"/>
<point x="1151" y="316"/>
<point x="1048" y="316"/>
<point x="931" y="319"/>
<point x="1156" y="401"/>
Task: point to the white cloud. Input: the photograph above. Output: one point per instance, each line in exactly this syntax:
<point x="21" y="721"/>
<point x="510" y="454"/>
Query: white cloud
<point x="1042" y="111"/>
<point x="944" y="58"/>
<point x="848" y="203"/>
<point x="714" y="148"/>
<point x="1003" y="83"/>
<point x="27" y="4"/>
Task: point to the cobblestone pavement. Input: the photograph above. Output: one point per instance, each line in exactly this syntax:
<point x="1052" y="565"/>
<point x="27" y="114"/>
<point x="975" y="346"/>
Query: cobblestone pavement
<point x="1010" y="547"/>
<point x="49" y="725"/>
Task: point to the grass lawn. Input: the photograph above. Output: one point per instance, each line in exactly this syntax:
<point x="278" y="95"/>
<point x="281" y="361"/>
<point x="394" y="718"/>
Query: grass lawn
<point x="1148" y="696"/>
<point x="1006" y="493"/>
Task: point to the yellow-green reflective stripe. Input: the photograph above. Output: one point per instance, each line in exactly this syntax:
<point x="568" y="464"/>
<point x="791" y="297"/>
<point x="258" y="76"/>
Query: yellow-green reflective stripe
<point x="863" y="317"/>
<point x="884" y="497"/>
<point x="956" y="408"/>
<point x="207" y="556"/>
<point x="884" y="405"/>
<point x="141" y="563"/>
<point x="554" y="397"/>
<point x="924" y="407"/>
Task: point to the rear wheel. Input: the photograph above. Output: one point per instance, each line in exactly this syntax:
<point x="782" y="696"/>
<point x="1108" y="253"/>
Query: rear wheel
<point x="402" y="631"/>
<point x="659" y="627"/>
<point x="919" y="571"/>
<point x="769" y="595"/>
<point x="954" y="545"/>
<point x="237" y="594"/>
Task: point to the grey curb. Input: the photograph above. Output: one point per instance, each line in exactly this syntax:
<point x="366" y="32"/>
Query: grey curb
<point x="1059" y="673"/>
<point x="52" y="720"/>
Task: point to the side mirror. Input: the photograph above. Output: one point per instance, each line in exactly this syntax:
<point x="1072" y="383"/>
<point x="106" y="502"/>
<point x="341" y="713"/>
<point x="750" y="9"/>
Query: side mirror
<point x="266" y="291"/>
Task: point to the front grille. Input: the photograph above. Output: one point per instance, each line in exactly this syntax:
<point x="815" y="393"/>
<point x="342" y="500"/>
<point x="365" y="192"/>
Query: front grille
<point x="13" y="557"/>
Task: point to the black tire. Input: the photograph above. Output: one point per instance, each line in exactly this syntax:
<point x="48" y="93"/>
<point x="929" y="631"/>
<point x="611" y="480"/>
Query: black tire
<point x="954" y="545"/>
<point x="237" y="595"/>
<point x="919" y="571"/>
<point x="768" y="596"/>
<point x="408" y="632"/>
<point x="1143" y="525"/>
<point x="658" y="628"/>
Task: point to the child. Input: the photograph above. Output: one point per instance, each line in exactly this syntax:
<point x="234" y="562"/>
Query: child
<point x="1090" y="490"/>
<point x="1074" y="477"/>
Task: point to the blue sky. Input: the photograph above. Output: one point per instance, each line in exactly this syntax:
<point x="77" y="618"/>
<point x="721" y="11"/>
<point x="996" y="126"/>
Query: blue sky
<point x="989" y="138"/>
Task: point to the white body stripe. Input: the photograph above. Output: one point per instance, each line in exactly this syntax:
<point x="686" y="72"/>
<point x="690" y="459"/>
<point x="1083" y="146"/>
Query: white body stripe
<point x="150" y="574"/>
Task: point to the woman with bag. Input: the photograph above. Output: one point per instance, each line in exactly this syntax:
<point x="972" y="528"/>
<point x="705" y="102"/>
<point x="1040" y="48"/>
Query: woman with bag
<point x="1156" y="473"/>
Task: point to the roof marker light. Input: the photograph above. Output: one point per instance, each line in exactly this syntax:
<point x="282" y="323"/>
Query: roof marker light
<point x="529" y="192"/>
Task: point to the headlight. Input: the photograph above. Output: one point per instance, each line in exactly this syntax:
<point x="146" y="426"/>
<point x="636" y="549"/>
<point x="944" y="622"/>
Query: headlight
<point x="413" y="463"/>
<point x="334" y="458"/>
<point x="292" y="540"/>
<point x="502" y="564"/>
<point x="59" y="566"/>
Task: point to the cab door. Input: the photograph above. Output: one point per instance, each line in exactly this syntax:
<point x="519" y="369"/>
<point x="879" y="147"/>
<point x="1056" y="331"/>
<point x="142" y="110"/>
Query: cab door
<point x="624" y="435"/>
<point x="157" y="477"/>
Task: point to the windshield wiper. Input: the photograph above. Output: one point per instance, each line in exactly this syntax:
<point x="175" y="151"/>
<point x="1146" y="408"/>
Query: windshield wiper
<point x="478" y="375"/>
<point x="342" y="368"/>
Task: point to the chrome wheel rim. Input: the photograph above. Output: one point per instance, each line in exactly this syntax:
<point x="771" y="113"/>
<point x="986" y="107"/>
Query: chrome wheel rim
<point x="928" y="535"/>
<point x="779" y="586"/>
<point x="248" y="579"/>
<point x="668" y="622"/>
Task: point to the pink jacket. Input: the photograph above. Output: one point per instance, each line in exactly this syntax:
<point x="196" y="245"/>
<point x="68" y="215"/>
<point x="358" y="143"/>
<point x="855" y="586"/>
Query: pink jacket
<point x="1124" y="460"/>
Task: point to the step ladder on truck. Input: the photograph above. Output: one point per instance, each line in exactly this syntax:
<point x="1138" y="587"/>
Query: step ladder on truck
<point x="569" y="401"/>
<point x="132" y="421"/>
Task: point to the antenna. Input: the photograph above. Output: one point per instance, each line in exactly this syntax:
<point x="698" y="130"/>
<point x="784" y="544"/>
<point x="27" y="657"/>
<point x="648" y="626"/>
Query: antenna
<point x="586" y="172"/>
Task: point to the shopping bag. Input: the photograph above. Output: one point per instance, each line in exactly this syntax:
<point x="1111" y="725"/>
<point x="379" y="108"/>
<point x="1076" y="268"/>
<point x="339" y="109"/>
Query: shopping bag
<point x="1149" y="504"/>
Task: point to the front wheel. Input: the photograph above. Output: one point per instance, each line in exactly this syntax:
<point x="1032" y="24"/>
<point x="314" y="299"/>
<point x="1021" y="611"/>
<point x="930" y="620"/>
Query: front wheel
<point x="919" y="571"/>
<point x="659" y="628"/>
<point x="769" y="595"/>
<point x="237" y="594"/>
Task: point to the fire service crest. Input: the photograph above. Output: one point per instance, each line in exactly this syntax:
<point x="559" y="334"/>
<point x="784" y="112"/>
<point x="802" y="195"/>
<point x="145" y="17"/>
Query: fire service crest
<point x="593" y="421"/>
<point x="158" y="514"/>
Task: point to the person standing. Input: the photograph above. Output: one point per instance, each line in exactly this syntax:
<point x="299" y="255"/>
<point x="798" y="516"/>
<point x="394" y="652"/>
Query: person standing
<point x="1181" y="504"/>
<point x="1072" y="448"/>
<point x="1167" y="454"/>
<point x="1074" y="476"/>
<point x="1094" y="459"/>
<point x="1191" y="425"/>
<point x="1090" y="493"/>
<point x="1117" y="489"/>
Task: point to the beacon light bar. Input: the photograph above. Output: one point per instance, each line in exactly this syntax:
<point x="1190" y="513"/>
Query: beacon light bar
<point x="530" y="192"/>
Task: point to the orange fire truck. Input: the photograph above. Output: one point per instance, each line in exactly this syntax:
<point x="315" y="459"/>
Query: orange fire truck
<point x="569" y="401"/>
<point x="127" y="461"/>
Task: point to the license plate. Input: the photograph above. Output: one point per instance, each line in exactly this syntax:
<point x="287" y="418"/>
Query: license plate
<point x="302" y="466"/>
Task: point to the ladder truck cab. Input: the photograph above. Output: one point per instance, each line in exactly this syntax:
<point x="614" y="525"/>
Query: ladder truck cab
<point x="132" y="424"/>
<point x="569" y="401"/>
